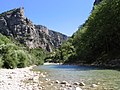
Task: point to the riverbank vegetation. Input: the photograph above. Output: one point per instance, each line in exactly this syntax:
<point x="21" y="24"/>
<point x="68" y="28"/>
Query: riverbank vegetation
<point x="97" y="41"/>
<point x="13" y="54"/>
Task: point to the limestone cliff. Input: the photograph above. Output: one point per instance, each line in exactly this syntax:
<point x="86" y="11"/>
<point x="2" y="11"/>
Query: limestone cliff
<point x="13" y="23"/>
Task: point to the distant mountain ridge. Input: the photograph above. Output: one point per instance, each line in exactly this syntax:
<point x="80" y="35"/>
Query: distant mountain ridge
<point x="13" y="23"/>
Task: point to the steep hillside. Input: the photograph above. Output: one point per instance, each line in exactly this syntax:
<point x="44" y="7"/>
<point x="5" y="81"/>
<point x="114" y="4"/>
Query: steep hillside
<point x="97" y="41"/>
<point x="13" y="23"/>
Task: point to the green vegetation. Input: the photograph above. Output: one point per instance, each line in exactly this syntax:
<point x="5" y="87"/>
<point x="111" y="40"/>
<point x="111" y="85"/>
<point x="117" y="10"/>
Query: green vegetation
<point x="61" y="54"/>
<point x="38" y="55"/>
<point x="97" y="41"/>
<point x="14" y="55"/>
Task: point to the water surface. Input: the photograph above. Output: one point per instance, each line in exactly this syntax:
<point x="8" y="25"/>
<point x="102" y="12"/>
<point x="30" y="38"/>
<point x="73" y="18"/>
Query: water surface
<point x="108" y="79"/>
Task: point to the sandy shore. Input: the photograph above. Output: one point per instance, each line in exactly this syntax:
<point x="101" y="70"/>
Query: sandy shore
<point x="19" y="79"/>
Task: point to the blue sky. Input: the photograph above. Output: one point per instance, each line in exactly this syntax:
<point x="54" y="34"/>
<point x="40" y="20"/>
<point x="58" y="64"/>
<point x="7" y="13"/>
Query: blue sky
<point x="60" y="15"/>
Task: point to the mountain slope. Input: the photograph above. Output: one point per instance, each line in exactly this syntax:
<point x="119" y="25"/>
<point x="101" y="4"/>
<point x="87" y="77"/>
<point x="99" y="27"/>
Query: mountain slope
<point x="13" y="23"/>
<point x="97" y="41"/>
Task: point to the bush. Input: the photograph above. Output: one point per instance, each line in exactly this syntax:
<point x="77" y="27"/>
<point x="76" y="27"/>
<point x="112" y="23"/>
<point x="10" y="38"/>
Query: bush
<point x="38" y="56"/>
<point x="23" y="59"/>
<point x="10" y="60"/>
<point x="13" y="54"/>
<point x="1" y="62"/>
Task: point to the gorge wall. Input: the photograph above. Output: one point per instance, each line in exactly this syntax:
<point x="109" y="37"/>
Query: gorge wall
<point x="13" y="23"/>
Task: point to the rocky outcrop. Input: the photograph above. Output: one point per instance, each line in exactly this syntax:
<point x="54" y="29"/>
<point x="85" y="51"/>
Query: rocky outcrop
<point x="13" y="23"/>
<point x="57" y="38"/>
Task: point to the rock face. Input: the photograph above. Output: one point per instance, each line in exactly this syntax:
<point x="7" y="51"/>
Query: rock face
<point x="13" y="23"/>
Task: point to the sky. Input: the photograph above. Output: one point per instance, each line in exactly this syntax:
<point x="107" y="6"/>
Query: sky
<point x="64" y="16"/>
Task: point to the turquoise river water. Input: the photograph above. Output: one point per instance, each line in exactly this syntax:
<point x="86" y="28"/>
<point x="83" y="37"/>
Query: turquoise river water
<point x="107" y="79"/>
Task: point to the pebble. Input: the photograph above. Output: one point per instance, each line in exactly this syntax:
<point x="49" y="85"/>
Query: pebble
<point x="94" y="85"/>
<point x="42" y="75"/>
<point x="47" y="79"/>
<point x="76" y="83"/>
<point x="57" y="81"/>
<point x="78" y="88"/>
<point x="50" y="84"/>
<point x="68" y="85"/>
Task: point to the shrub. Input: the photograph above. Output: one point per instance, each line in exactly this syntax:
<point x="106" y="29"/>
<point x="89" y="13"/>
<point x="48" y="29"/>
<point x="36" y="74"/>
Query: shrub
<point x="38" y="56"/>
<point x="1" y="62"/>
<point x="23" y="59"/>
<point x="10" y="60"/>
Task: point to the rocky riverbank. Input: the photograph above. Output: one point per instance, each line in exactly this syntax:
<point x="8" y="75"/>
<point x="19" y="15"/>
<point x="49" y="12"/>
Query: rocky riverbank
<point x="19" y="79"/>
<point x="27" y="79"/>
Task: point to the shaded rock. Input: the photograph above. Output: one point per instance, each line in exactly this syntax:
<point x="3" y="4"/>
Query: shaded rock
<point x="57" y="81"/>
<point x="10" y="77"/>
<point x="76" y="83"/>
<point x="82" y="84"/>
<point x="68" y="85"/>
<point x="64" y="82"/>
<point x="62" y="85"/>
<point x="70" y="88"/>
<point x="50" y="84"/>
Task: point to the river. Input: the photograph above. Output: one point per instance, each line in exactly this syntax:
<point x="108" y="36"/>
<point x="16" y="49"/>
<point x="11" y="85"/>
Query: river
<point x="107" y="79"/>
